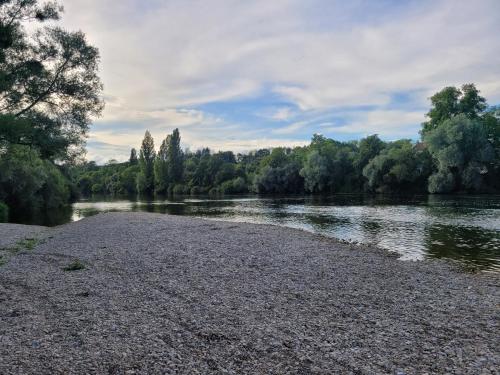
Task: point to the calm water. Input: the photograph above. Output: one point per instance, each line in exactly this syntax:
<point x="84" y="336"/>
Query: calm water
<point x="465" y="228"/>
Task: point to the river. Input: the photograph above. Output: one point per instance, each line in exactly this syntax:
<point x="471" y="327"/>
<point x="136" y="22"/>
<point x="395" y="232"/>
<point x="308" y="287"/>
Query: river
<point x="464" y="228"/>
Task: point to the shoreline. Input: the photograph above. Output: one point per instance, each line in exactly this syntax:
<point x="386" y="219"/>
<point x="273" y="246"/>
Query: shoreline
<point x="212" y="296"/>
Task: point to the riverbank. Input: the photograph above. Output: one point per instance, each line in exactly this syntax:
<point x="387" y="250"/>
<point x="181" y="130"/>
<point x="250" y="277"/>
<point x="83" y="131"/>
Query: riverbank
<point x="125" y="292"/>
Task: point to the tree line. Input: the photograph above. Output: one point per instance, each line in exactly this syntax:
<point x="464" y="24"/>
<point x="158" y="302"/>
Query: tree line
<point x="459" y="151"/>
<point x="50" y="92"/>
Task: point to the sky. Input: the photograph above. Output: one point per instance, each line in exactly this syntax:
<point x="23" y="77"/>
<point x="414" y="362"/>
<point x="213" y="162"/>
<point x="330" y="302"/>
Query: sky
<point x="240" y="75"/>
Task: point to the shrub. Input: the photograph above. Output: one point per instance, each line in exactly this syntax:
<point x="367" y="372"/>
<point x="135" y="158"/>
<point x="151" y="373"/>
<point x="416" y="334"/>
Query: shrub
<point x="97" y="189"/>
<point x="76" y="265"/>
<point x="28" y="183"/>
<point x="180" y="189"/>
<point x="236" y="186"/>
<point x="196" y="190"/>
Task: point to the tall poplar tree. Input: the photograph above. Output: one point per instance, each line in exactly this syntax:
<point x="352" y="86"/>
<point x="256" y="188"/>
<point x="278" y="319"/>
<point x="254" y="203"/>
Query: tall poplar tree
<point x="175" y="158"/>
<point x="145" y="178"/>
<point x="161" y="168"/>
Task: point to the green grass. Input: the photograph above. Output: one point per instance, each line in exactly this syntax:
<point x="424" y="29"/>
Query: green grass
<point x="76" y="265"/>
<point x="28" y="243"/>
<point x="22" y="245"/>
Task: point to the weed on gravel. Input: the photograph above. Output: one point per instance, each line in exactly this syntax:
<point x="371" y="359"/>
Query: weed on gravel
<point x="25" y="244"/>
<point x="76" y="265"/>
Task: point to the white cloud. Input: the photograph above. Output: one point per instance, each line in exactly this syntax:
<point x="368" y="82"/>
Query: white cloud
<point x="159" y="57"/>
<point x="245" y="145"/>
<point x="282" y="114"/>
<point x="290" y="129"/>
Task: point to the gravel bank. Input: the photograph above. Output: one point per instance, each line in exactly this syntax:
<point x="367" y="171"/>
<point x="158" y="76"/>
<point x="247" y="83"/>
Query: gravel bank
<point x="169" y="294"/>
<point x="10" y="234"/>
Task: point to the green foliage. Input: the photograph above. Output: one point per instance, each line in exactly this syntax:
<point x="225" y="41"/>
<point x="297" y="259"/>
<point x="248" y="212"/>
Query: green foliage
<point x="450" y="102"/>
<point x="315" y="173"/>
<point x="49" y="85"/>
<point x="460" y="152"/>
<point x="161" y="170"/>
<point x="400" y="167"/>
<point x="280" y="179"/>
<point x="128" y="179"/>
<point x="76" y="265"/>
<point x="4" y="213"/>
<point x="145" y="178"/>
<point x="175" y="157"/>
<point x="180" y="189"/>
<point x="27" y="244"/>
<point x="29" y="183"/>
<point x="368" y="148"/>
<point x="169" y="164"/>
<point x="236" y="186"/>
<point x="463" y="155"/>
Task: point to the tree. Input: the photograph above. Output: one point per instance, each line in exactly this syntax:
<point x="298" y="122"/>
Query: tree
<point x="280" y="180"/>
<point x="450" y="102"/>
<point x="145" y="178"/>
<point x="279" y="173"/>
<point x="133" y="157"/>
<point x="161" y="170"/>
<point x="463" y="154"/>
<point x="315" y="173"/>
<point x="368" y="148"/>
<point x="29" y="183"/>
<point x="175" y="158"/>
<point x="400" y="167"/>
<point x="49" y="87"/>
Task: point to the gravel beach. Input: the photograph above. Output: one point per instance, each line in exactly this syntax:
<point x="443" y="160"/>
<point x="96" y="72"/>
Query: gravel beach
<point x="163" y="294"/>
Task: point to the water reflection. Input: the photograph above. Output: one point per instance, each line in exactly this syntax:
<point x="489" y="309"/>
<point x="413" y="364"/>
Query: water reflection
<point x="463" y="228"/>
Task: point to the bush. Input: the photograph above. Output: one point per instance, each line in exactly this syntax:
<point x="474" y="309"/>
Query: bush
<point x="236" y="186"/>
<point x="180" y="189"/>
<point x="197" y="190"/>
<point x="28" y="183"/>
<point x="4" y="212"/>
<point x="441" y="182"/>
<point x="97" y="189"/>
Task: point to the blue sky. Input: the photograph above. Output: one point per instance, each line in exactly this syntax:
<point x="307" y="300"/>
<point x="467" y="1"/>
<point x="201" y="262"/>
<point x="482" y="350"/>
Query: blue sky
<point x="240" y="75"/>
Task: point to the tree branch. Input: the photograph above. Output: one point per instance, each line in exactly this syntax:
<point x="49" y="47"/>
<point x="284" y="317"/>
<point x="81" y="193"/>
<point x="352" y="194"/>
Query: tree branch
<point x="46" y="92"/>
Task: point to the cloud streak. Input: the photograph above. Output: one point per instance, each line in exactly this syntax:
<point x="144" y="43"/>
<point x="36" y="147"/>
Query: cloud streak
<point x="300" y="63"/>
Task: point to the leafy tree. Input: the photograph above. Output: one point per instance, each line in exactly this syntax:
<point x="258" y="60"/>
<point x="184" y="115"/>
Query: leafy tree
<point x="368" y="148"/>
<point x="161" y="168"/>
<point x="49" y="87"/>
<point x="29" y="183"/>
<point x="226" y="172"/>
<point x="128" y="179"/>
<point x="145" y="178"/>
<point x="462" y="152"/>
<point x="450" y="102"/>
<point x="400" y="167"/>
<point x="315" y="173"/>
<point x="235" y="186"/>
<point x="279" y="173"/>
<point x="279" y="180"/>
<point x="175" y="158"/>
<point x="133" y="157"/>
<point x="335" y="171"/>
